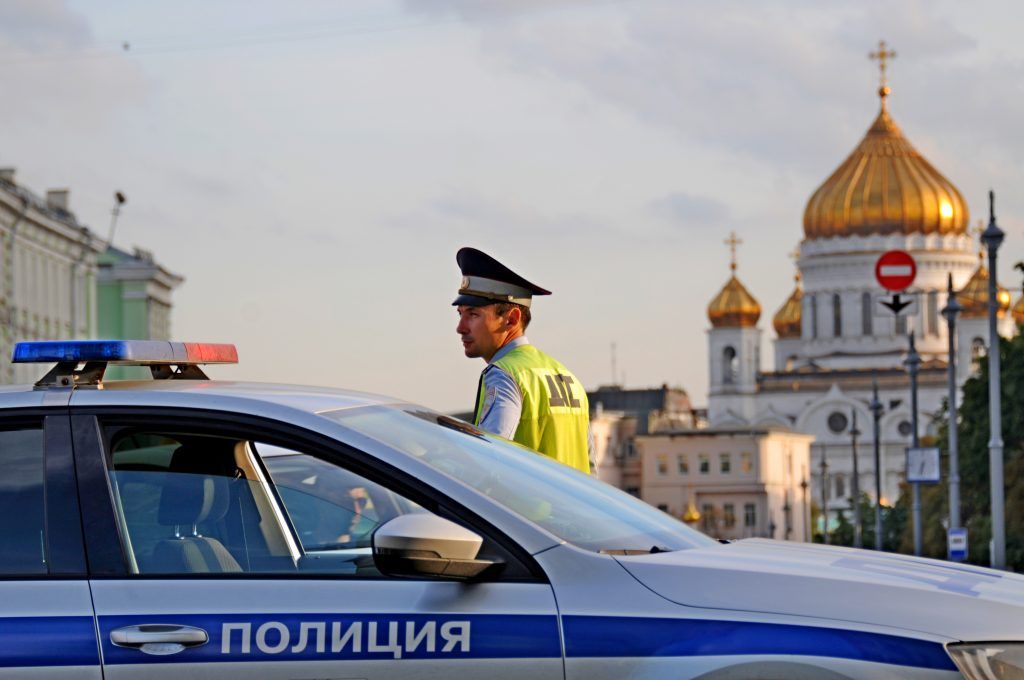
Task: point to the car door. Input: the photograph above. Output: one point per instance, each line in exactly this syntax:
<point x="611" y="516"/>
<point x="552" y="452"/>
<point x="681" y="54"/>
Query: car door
<point x="46" y="614"/>
<point x="228" y="549"/>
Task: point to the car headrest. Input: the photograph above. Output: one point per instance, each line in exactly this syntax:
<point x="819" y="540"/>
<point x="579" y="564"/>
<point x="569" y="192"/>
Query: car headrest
<point x="194" y="489"/>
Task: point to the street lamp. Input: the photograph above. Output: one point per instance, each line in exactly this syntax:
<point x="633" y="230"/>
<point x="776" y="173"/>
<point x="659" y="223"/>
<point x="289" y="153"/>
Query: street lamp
<point x="950" y="311"/>
<point x="855" y="485"/>
<point x="824" y="495"/>
<point x="992" y="237"/>
<point x="913" y="363"/>
<point x="876" y="416"/>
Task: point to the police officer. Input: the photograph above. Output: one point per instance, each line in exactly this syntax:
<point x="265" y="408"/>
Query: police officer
<point x="524" y="394"/>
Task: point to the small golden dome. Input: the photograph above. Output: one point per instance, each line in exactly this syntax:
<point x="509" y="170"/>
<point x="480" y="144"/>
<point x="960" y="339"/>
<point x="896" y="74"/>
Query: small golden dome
<point x="734" y="307"/>
<point x="692" y="515"/>
<point x="1018" y="311"/>
<point x="787" y="319"/>
<point x="885" y="187"/>
<point x="974" y="296"/>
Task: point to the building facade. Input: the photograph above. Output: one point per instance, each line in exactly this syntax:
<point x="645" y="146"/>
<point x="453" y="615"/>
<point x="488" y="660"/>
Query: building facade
<point x="47" y="272"/>
<point x="730" y="483"/>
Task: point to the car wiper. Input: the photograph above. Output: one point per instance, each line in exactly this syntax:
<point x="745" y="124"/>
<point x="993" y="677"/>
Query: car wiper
<point x="653" y="550"/>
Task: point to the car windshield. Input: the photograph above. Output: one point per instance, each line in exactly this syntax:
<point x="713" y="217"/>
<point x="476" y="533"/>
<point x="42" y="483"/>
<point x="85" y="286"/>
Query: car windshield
<point x="575" y="507"/>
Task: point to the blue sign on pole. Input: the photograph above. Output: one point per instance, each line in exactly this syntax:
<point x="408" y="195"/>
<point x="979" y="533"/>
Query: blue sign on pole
<point x="957" y="541"/>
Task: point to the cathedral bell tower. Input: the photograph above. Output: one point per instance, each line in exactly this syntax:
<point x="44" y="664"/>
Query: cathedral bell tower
<point x="734" y="344"/>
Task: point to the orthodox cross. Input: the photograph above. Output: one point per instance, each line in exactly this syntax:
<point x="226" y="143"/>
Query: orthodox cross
<point x="732" y="242"/>
<point x="795" y="256"/>
<point x="883" y="55"/>
<point x="979" y="229"/>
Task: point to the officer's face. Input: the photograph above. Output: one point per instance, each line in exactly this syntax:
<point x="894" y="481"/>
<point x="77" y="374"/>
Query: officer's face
<point x="482" y="331"/>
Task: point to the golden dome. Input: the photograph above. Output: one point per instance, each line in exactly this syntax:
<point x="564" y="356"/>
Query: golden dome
<point x="787" y="319"/>
<point x="734" y="307"/>
<point x="885" y="187"/>
<point x="1018" y="311"/>
<point x="974" y="296"/>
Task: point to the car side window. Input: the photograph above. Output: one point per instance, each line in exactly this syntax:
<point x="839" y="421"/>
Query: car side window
<point x="22" y="537"/>
<point x="203" y="504"/>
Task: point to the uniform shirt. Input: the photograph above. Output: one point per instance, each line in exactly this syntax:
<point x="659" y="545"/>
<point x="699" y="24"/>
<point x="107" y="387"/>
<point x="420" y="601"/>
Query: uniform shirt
<point x="503" y="402"/>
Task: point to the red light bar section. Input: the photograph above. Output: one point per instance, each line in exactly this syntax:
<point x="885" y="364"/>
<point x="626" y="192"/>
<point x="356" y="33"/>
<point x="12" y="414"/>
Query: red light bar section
<point x="210" y="353"/>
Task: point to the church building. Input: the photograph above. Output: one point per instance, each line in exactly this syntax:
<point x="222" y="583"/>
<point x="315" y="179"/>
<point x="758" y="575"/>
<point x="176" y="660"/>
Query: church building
<point x="833" y="340"/>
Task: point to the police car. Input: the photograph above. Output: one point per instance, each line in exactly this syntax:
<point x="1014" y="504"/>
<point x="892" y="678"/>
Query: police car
<point x="182" y="527"/>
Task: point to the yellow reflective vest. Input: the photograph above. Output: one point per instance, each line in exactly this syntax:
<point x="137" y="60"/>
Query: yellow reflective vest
<point x="556" y="416"/>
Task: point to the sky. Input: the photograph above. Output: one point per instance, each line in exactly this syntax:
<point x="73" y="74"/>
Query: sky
<point x="311" y="167"/>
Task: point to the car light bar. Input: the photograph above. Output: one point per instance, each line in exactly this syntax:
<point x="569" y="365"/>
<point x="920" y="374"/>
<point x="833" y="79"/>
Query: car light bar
<point x="138" y="352"/>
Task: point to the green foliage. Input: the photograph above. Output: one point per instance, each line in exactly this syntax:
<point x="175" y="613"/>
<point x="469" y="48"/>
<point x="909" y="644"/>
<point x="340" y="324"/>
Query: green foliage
<point x="974" y="466"/>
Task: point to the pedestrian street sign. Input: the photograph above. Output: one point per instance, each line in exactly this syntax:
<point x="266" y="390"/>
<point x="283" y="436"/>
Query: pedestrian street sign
<point x="957" y="542"/>
<point x="923" y="465"/>
<point x="887" y="305"/>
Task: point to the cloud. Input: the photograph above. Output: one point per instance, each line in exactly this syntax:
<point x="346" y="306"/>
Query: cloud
<point x="688" y="210"/>
<point x="55" y="75"/>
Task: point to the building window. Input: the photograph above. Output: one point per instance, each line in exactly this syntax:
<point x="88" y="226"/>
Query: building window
<point x="840" y="486"/>
<point x="683" y="464"/>
<point x="977" y="349"/>
<point x="707" y="517"/>
<point x="813" y="303"/>
<point x="790" y="362"/>
<point x="746" y="463"/>
<point x="749" y="515"/>
<point x="633" y="491"/>
<point x="866" y="314"/>
<point x="704" y="460"/>
<point x="662" y="463"/>
<point x="663" y="507"/>
<point x="724" y="463"/>
<point x="729" y="365"/>
<point x="837" y="422"/>
<point x="729" y="515"/>
<point x="933" y="312"/>
<point x="837" y="316"/>
<point x="901" y="325"/>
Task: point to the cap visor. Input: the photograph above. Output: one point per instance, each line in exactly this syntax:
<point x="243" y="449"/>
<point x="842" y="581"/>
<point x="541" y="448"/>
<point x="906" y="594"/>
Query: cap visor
<point x="472" y="301"/>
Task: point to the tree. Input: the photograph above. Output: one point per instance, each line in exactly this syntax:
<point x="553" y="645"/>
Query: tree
<point x="975" y="499"/>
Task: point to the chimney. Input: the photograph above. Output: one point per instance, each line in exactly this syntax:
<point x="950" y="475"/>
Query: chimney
<point x="7" y="175"/>
<point x="57" y="198"/>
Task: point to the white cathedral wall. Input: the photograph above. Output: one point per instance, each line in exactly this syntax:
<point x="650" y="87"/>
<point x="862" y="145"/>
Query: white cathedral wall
<point x="845" y="266"/>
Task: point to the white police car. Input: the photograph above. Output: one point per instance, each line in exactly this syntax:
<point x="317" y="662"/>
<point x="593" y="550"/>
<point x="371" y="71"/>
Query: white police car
<point x="182" y="527"/>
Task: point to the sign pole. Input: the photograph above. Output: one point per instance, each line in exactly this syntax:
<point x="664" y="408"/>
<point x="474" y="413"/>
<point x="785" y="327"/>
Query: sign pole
<point x="913" y="362"/>
<point x="950" y="311"/>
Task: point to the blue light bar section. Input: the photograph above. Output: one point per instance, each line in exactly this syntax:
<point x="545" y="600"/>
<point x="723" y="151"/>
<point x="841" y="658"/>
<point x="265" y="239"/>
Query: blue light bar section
<point x="140" y="352"/>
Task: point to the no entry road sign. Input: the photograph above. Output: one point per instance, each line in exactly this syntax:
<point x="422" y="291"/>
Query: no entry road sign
<point x="895" y="270"/>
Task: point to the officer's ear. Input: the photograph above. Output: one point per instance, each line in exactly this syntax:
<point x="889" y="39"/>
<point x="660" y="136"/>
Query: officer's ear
<point x="515" y="316"/>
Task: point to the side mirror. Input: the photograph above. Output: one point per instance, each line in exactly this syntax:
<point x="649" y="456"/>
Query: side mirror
<point x="421" y="544"/>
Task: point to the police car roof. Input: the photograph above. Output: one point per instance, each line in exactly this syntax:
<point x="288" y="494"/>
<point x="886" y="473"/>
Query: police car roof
<point x="208" y="394"/>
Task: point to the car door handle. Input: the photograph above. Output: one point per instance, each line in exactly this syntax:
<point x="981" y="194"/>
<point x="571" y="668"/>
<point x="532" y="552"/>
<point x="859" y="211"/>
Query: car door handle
<point x="159" y="638"/>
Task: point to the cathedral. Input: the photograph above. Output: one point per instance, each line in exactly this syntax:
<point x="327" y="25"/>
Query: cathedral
<point x="833" y="340"/>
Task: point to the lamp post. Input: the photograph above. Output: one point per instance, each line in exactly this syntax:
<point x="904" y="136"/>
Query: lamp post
<point x="858" y="539"/>
<point x="805" y="520"/>
<point x="824" y="495"/>
<point x="913" y="363"/>
<point x="992" y="237"/>
<point x="950" y="312"/>
<point x="876" y="417"/>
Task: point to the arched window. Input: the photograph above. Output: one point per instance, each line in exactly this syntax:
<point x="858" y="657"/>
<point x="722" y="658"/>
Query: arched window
<point x="840" y="486"/>
<point x="977" y="349"/>
<point x="933" y="312"/>
<point x="837" y="316"/>
<point x="866" y="314"/>
<point x="730" y="365"/>
<point x="813" y="303"/>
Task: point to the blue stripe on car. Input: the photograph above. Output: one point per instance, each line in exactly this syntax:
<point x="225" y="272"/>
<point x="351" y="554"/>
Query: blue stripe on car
<point x="47" y="641"/>
<point x="613" y="636"/>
